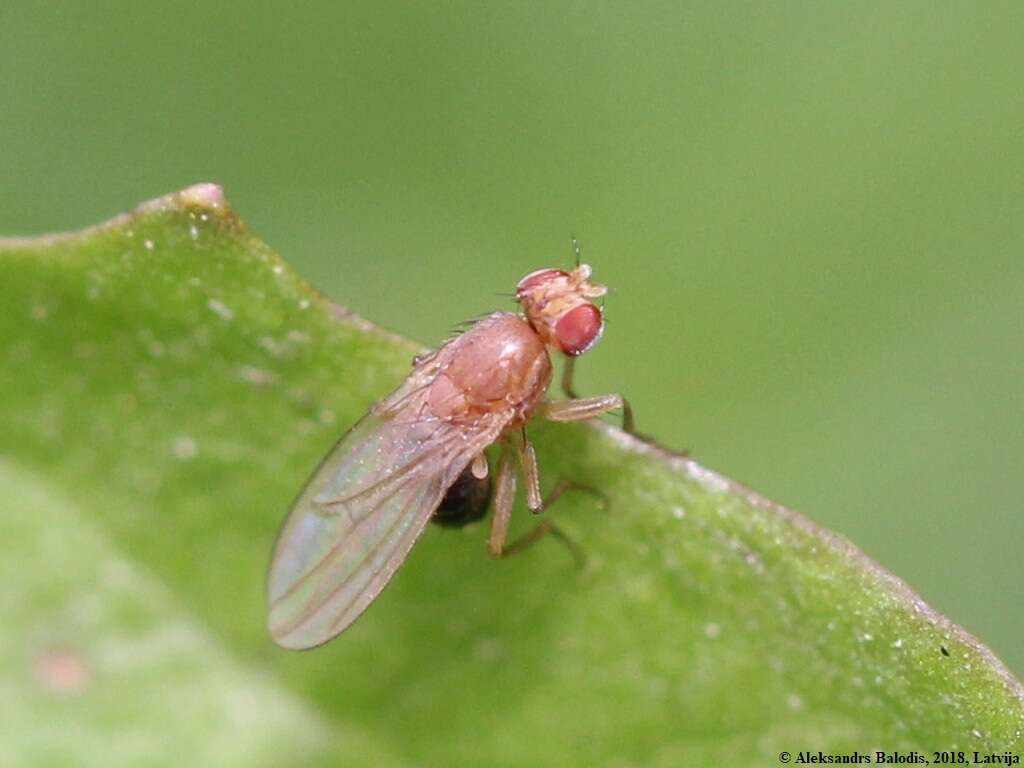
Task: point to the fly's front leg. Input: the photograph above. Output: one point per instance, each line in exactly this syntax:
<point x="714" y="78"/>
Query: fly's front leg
<point x="584" y="408"/>
<point x="568" y="370"/>
<point x="568" y="373"/>
<point x="504" y="498"/>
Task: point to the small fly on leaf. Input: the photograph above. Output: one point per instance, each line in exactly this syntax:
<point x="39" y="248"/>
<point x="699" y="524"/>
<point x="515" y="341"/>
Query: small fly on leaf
<point x="419" y="454"/>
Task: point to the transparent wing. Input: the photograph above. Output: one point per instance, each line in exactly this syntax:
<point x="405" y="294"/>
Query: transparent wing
<point x="359" y="516"/>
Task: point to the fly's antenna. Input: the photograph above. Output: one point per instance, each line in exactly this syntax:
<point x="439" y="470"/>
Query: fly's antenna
<point x="575" y="248"/>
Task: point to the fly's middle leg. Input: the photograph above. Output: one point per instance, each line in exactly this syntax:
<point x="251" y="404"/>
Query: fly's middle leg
<point x="534" y="501"/>
<point x="531" y="474"/>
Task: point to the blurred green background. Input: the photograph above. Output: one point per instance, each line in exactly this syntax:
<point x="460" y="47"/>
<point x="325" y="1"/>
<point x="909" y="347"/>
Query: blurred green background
<point x="811" y="215"/>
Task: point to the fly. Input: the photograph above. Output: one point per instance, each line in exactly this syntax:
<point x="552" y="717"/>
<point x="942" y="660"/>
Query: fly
<point x="419" y="454"/>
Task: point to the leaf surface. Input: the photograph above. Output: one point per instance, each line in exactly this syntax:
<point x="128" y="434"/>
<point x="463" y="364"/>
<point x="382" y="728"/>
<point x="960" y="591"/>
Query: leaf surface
<point x="168" y="384"/>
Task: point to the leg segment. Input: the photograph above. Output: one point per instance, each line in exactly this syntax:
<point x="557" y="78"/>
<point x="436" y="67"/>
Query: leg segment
<point x="539" y="532"/>
<point x="504" y="498"/>
<point x="564" y="485"/>
<point x="587" y="408"/>
<point x="505" y="486"/>
<point x="568" y="369"/>
<point x="501" y="549"/>
<point x="531" y="475"/>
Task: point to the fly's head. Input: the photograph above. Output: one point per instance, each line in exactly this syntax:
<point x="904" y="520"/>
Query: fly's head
<point x="559" y="307"/>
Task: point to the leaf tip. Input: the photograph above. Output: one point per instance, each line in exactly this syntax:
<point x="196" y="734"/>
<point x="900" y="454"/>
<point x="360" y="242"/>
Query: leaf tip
<point x="204" y="195"/>
<point x="203" y="198"/>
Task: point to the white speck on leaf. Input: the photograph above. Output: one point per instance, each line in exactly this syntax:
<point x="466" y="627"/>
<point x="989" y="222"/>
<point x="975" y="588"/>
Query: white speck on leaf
<point x="489" y="649"/>
<point x="754" y="561"/>
<point x="184" y="448"/>
<point x="220" y="309"/>
<point x="670" y="560"/>
<point x="274" y="347"/>
<point x="657" y="686"/>
<point x="257" y="376"/>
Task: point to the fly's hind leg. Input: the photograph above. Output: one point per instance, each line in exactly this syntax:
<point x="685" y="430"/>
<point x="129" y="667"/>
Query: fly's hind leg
<point x="542" y="529"/>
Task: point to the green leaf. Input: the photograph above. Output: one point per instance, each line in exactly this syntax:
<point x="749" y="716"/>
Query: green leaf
<point x="168" y="383"/>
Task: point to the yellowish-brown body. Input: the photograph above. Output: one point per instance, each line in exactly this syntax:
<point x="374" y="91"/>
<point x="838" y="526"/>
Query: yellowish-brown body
<point x="500" y="364"/>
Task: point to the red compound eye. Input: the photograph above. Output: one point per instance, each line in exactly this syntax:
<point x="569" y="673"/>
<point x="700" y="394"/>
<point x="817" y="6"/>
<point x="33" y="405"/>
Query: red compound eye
<point x="535" y="279"/>
<point x="579" y="329"/>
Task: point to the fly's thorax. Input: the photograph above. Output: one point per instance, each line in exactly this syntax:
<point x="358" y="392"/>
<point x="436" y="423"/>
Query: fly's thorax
<point x="558" y="306"/>
<point x="498" y="364"/>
